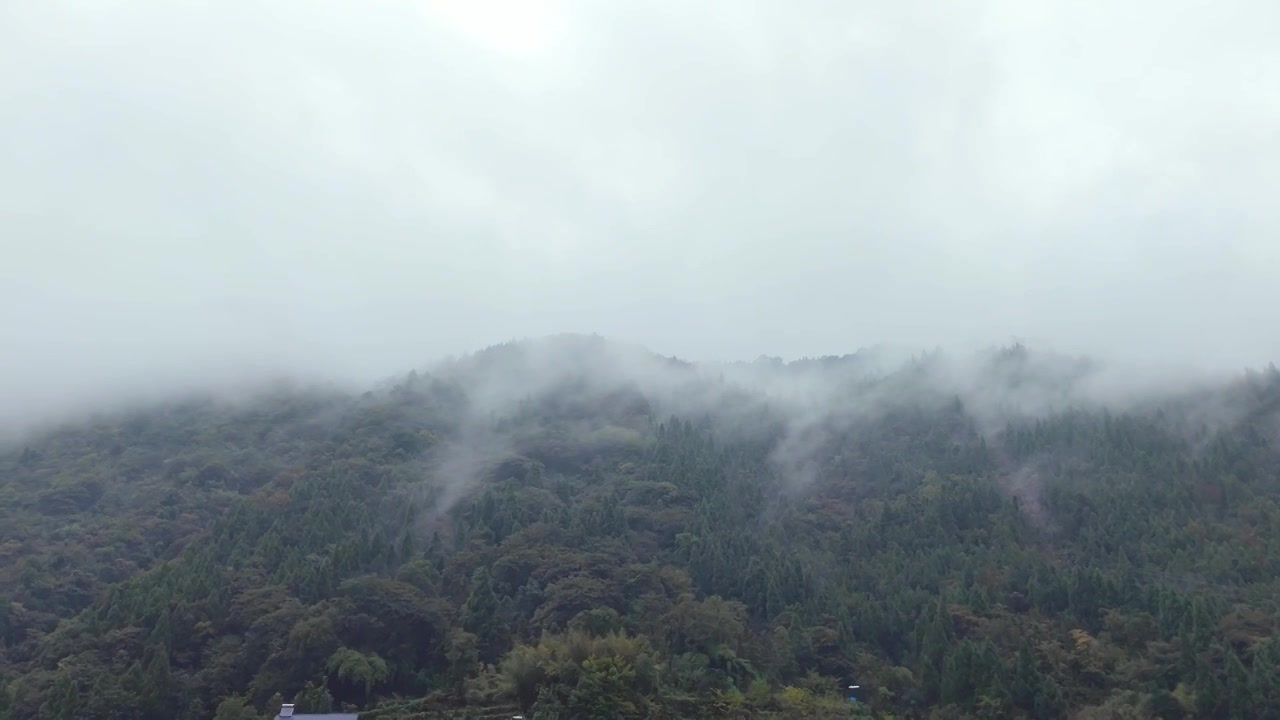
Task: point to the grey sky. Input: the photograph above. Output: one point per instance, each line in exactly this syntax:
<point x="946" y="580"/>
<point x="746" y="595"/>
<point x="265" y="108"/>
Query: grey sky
<point x="194" y="189"/>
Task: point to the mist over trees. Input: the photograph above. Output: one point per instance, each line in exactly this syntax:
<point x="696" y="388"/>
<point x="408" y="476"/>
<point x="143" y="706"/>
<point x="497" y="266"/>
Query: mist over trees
<point x="239" y="242"/>
<point x="572" y="528"/>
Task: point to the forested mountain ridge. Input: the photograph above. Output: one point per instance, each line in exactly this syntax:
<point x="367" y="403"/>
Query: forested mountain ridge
<point x="91" y="504"/>
<point x="581" y="530"/>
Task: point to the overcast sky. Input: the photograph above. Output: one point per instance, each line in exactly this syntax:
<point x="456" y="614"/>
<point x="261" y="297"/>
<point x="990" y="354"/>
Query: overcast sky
<point x="195" y="189"/>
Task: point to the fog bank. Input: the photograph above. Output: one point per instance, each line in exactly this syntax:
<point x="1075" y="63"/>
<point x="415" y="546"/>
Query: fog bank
<point x="197" y="193"/>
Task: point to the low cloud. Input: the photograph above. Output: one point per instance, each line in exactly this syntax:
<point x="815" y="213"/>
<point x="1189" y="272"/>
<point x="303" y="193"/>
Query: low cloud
<point x="196" y="193"/>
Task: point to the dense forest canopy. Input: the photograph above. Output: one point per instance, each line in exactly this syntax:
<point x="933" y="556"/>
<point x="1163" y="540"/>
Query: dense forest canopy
<point x="570" y="528"/>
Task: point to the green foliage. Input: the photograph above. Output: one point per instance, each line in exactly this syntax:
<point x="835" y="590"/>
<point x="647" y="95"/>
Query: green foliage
<point x="350" y="666"/>
<point x="604" y="689"/>
<point x="313" y="699"/>
<point x="235" y="708"/>
<point x="603" y="561"/>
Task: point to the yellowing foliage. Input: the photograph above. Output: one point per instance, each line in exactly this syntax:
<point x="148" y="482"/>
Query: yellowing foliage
<point x="1082" y="639"/>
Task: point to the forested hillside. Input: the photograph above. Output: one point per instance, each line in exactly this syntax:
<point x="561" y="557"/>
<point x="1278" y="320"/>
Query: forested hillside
<point x="571" y="529"/>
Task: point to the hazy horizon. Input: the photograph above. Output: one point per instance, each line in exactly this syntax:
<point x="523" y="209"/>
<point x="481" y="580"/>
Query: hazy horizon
<point x="194" y="194"/>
